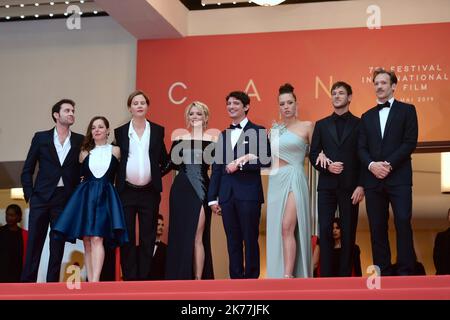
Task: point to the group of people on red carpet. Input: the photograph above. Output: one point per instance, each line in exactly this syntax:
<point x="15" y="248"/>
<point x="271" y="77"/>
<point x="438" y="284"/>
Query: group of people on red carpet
<point x="89" y="189"/>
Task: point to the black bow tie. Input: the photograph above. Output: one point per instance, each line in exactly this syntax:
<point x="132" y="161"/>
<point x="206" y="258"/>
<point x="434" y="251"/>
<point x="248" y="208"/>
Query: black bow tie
<point x="232" y="126"/>
<point x="380" y="106"/>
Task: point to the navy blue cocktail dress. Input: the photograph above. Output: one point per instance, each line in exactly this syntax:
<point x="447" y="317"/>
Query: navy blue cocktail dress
<point x="95" y="208"/>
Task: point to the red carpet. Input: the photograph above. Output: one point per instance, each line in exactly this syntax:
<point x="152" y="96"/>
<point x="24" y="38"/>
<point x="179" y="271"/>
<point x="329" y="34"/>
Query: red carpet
<point x="423" y="287"/>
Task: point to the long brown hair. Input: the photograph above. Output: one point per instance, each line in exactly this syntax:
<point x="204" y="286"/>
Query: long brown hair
<point x="89" y="143"/>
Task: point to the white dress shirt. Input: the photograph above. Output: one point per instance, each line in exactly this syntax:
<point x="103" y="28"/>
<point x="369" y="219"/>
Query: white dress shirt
<point x="384" y="114"/>
<point x="61" y="150"/>
<point x="236" y="133"/>
<point x="100" y="159"/>
<point x="138" y="170"/>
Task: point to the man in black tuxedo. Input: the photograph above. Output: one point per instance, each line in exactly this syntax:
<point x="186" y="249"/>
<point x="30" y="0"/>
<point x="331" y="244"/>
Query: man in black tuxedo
<point x="441" y="250"/>
<point x="57" y="151"/>
<point x="339" y="180"/>
<point x="159" y="253"/>
<point x="139" y="184"/>
<point x="388" y="137"/>
<point x="235" y="189"/>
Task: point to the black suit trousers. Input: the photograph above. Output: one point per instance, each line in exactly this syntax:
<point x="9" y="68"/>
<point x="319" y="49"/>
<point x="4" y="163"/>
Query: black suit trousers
<point x="241" y="223"/>
<point x="136" y="260"/>
<point x="43" y="213"/>
<point x="328" y="202"/>
<point x="377" y="204"/>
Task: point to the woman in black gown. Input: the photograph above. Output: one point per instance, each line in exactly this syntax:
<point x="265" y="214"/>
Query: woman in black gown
<point x="189" y="246"/>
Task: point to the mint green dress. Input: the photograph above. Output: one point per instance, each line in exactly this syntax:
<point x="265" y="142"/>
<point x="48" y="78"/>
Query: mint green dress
<point x="291" y="148"/>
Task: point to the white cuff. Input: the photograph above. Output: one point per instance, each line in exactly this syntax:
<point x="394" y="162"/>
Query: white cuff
<point x="212" y="202"/>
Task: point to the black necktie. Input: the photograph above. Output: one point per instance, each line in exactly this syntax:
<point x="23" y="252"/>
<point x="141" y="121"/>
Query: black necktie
<point x="380" y="106"/>
<point x="232" y="126"/>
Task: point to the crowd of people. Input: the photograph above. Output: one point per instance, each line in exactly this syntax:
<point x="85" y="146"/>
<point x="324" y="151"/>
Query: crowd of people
<point x="89" y="189"/>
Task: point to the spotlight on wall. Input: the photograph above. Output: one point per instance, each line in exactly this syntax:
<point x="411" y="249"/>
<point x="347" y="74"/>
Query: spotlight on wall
<point x="445" y="172"/>
<point x="268" y="3"/>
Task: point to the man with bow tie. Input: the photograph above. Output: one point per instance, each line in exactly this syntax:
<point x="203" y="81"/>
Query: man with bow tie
<point x="235" y="190"/>
<point x="388" y="137"/>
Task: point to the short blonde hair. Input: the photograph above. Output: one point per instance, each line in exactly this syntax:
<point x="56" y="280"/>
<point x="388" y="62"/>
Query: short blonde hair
<point x="203" y="107"/>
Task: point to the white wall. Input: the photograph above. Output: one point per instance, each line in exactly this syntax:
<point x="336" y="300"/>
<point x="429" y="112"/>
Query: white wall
<point x="42" y="62"/>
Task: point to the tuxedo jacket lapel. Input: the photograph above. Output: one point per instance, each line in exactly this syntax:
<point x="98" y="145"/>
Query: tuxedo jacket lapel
<point x="376" y="119"/>
<point x="72" y="149"/>
<point x="227" y="142"/>
<point x="51" y="146"/>
<point x="126" y="139"/>
<point x="153" y="140"/>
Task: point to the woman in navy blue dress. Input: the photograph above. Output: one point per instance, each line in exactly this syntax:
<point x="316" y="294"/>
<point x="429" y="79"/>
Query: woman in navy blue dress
<point x="94" y="212"/>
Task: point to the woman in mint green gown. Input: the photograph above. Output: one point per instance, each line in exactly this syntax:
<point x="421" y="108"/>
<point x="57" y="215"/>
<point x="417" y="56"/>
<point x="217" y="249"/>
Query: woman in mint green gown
<point x="288" y="215"/>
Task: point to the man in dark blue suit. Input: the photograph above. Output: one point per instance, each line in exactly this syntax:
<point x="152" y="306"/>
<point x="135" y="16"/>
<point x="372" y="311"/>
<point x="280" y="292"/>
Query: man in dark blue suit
<point x="235" y="190"/>
<point x="388" y="137"/>
<point x="57" y="151"/>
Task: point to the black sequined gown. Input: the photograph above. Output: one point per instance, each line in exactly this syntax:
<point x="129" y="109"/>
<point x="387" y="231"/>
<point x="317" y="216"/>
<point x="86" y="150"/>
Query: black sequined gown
<point x="191" y="158"/>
